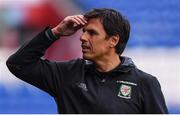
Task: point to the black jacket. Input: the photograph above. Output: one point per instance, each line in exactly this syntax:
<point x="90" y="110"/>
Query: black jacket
<point x="78" y="88"/>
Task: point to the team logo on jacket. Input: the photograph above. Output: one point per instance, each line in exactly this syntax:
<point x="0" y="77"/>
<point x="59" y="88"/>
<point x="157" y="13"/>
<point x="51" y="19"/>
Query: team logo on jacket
<point x="125" y="91"/>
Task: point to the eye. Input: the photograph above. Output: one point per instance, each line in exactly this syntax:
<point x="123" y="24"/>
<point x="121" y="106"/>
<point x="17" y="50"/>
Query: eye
<point x="92" y="32"/>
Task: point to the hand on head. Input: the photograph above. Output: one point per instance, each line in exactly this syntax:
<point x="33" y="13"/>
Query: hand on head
<point x="69" y="25"/>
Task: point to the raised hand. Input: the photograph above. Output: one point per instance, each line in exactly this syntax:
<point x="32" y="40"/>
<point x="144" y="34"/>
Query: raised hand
<point x="69" y="25"/>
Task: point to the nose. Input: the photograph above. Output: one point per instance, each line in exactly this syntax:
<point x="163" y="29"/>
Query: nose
<point x="83" y="37"/>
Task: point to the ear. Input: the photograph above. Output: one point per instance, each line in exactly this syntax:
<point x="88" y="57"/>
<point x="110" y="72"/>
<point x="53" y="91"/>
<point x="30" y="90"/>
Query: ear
<point x="114" y="40"/>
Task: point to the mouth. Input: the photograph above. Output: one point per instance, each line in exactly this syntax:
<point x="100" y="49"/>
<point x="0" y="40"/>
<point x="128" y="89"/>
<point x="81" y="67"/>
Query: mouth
<point x="85" y="48"/>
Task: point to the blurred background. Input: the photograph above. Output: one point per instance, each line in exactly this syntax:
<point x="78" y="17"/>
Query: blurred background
<point x="154" y="44"/>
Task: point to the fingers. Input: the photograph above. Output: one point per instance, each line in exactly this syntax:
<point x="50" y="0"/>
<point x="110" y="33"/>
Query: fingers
<point x="78" y="19"/>
<point x="81" y="19"/>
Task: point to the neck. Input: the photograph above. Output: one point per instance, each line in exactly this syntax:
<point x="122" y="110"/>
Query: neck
<point x="107" y="64"/>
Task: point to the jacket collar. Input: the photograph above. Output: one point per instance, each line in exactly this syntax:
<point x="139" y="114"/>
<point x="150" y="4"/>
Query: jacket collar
<point x="125" y="66"/>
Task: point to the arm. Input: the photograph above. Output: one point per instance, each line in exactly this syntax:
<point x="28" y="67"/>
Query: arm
<point x="27" y="64"/>
<point x="154" y="102"/>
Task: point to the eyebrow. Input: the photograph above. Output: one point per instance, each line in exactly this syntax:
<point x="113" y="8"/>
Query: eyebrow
<point x="91" y="30"/>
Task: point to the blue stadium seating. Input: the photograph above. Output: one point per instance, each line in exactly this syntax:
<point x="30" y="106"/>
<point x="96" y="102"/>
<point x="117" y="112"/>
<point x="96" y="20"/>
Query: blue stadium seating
<point x="153" y="23"/>
<point x="25" y="99"/>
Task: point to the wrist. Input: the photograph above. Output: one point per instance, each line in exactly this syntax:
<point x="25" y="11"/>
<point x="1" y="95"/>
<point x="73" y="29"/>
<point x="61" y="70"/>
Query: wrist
<point x="55" y="32"/>
<point x="51" y="35"/>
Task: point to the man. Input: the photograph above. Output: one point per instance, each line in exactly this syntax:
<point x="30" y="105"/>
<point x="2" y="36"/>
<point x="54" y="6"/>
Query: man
<point x="103" y="81"/>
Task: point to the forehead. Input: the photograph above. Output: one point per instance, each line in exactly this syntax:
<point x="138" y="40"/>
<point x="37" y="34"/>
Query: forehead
<point x="96" y="25"/>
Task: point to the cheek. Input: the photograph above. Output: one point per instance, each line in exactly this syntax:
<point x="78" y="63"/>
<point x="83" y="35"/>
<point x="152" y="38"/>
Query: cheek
<point x="98" y="46"/>
<point x="93" y="45"/>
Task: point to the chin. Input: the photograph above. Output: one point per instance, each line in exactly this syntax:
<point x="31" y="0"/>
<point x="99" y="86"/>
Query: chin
<point x="86" y="57"/>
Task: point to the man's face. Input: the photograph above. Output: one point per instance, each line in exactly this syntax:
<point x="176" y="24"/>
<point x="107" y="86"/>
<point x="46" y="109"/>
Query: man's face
<point x="95" y="44"/>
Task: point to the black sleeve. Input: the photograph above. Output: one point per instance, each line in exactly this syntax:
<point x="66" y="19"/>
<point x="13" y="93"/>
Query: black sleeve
<point x="153" y="99"/>
<point x="27" y="64"/>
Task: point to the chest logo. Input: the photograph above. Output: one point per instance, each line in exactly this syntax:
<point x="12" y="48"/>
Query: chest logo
<point x="125" y="91"/>
<point x="82" y="86"/>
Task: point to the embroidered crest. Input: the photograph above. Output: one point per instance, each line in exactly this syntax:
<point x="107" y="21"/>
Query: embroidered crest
<point x="125" y="91"/>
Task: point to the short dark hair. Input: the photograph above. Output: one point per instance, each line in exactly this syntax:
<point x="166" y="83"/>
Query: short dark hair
<point x="114" y="24"/>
